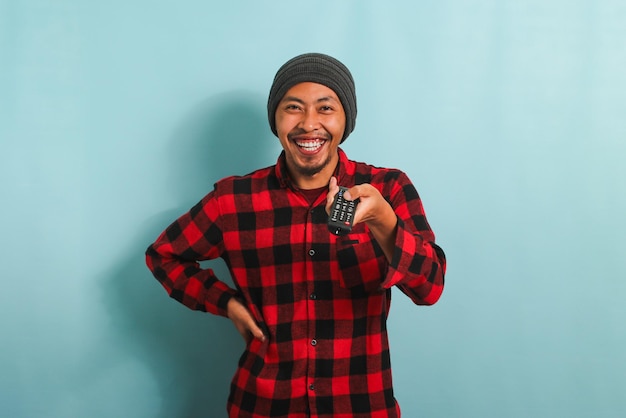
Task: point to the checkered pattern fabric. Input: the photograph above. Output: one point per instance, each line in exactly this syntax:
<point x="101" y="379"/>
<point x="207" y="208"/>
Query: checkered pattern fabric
<point x="321" y="300"/>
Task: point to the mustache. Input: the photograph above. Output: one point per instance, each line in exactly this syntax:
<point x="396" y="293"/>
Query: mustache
<point x="296" y="132"/>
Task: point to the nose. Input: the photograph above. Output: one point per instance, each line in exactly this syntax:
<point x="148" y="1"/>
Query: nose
<point x="310" y="120"/>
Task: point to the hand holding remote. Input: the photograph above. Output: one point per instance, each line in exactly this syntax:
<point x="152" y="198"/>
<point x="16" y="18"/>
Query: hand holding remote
<point x="372" y="209"/>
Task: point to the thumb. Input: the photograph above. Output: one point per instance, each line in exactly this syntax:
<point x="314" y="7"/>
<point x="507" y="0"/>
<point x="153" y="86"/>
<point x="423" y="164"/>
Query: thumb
<point x="255" y="330"/>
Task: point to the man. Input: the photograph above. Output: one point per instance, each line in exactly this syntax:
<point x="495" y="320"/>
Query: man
<point x="311" y="306"/>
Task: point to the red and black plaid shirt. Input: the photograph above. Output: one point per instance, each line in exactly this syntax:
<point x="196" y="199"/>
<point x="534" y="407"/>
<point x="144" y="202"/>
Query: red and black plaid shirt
<point x="321" y="300"/>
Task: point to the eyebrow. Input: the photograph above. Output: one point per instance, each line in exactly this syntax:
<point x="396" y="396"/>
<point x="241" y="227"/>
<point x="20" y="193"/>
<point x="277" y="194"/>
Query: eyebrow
<point x="299" y="100"/>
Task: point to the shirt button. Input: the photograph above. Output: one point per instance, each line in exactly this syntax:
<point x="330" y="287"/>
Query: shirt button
<point x="313" y="296"/>
<point x="314" y="342"/>
<point x="312" y="386"/>
<point x="311" y="252"/>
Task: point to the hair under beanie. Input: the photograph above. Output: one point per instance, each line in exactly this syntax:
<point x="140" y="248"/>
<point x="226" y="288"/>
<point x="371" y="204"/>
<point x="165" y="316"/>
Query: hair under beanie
<point x="317" y="68"/>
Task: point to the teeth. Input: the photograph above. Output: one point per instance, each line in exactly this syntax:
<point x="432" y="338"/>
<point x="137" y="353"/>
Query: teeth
<point x="310" y="145"/>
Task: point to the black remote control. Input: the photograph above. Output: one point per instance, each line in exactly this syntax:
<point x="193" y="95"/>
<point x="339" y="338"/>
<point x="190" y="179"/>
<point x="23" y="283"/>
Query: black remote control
<point x="341" y="213"/>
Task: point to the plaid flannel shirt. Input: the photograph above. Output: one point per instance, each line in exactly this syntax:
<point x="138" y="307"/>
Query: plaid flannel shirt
<point x="321" y="300"/>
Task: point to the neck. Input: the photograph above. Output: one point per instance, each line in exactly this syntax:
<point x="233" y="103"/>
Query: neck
<point x="306" y="180"/>
<point x="315" y="181"/>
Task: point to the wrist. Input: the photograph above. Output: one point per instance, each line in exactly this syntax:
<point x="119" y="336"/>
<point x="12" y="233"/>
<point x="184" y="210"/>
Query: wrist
<point x="232" y="304"/>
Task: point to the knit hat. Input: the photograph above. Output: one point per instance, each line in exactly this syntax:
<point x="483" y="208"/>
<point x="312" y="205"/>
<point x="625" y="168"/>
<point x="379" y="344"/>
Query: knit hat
<point x="316" y="68"/>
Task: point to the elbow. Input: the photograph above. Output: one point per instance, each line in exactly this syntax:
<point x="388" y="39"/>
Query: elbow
<point x="150" y="257"/>
<point x="431" y="297"/>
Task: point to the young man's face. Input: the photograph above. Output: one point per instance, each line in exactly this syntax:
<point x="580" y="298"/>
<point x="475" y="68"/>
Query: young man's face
<point x="310" y="122"/>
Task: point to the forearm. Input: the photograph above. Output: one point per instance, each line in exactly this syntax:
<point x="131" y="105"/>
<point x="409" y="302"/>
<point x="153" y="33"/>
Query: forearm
<point x="418" y="266"/>
<point x="186" y="282"/>
<point x="384" y="229"/>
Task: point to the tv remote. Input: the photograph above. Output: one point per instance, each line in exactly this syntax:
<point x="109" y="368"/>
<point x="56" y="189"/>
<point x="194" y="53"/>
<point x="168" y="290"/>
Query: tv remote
<point x="341" y="213"/>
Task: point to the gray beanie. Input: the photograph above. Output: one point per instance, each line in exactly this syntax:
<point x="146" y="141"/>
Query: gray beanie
<point x="316" y="68"/>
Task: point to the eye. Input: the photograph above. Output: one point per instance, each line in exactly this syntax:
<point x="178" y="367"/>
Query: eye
<point x="326" y="109"/>
<point x="292" y="107"/>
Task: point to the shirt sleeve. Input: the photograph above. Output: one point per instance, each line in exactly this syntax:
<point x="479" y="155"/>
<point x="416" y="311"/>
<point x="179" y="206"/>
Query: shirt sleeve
<point x="418" y="265"/>
<point x="174" y="259"/>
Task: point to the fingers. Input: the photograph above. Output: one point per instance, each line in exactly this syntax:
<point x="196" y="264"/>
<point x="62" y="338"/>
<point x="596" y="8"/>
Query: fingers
<point x="245" y="334"/>
<point x="351" y="193"/>
<point x="244" y="321"/>
<point x="251" y="326"/>
<point x="358" y="191"/>
<point x="256" y="332"/>
<point x="333" y="189"/>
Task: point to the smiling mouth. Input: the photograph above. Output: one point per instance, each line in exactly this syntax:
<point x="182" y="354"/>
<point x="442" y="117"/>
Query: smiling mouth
<point x="310" y="145"/>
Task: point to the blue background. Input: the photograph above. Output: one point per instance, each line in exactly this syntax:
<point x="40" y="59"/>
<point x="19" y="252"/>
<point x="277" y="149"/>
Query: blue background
<point x="117" y="116"/>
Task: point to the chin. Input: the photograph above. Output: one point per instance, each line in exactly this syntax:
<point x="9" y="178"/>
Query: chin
<point x="308" y="169"/>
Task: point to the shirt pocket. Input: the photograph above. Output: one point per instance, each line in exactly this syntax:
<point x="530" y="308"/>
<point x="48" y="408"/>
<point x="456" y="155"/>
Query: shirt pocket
<point x="361" y="261"/>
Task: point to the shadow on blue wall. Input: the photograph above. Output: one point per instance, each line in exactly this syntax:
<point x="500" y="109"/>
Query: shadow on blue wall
<point x="191" y="356"/>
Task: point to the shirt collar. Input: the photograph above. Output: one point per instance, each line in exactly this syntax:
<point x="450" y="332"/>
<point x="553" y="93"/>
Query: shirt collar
<point x="344" y="168"/>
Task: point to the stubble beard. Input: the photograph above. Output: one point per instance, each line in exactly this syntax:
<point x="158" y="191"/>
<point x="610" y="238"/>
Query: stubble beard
<point x="311" y="171"/>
